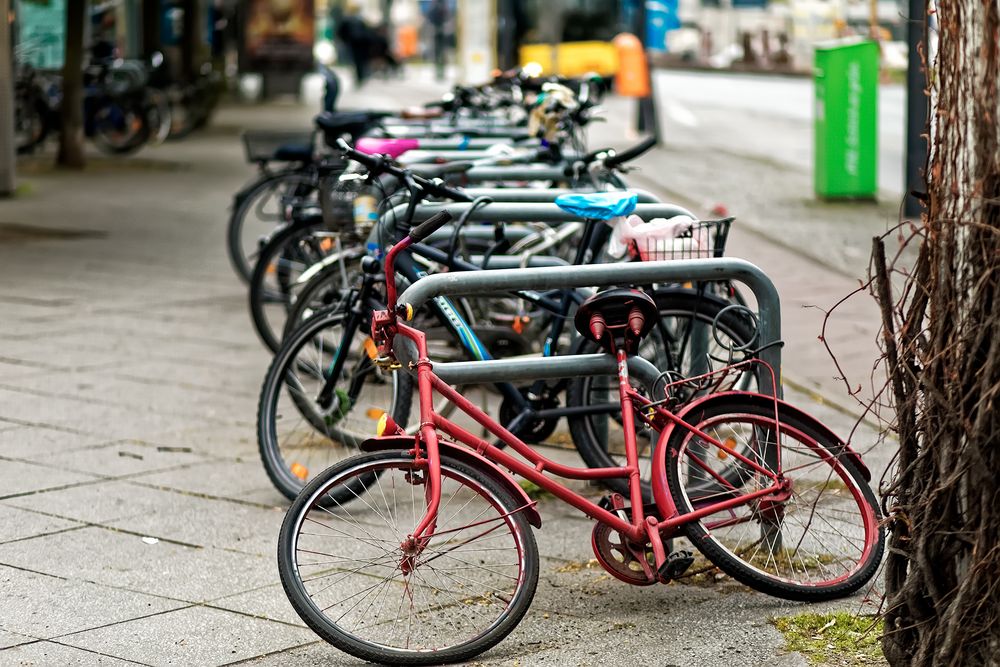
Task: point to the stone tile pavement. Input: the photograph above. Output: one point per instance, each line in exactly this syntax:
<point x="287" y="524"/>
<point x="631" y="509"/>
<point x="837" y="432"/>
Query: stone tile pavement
<point x="136" y="523"/>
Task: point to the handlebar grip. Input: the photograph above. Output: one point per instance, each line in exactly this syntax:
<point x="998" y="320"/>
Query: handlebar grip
<point x="429" y="226"/>
<point x="630" y="154"/>
<point x="350" y="152"/>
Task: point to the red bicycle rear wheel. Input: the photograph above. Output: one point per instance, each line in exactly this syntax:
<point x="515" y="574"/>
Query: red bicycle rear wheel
<point x="821" y="541"/>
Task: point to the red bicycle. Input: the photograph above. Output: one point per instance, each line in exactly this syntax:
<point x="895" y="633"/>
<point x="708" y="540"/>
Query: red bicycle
<point x="434" y="560"/>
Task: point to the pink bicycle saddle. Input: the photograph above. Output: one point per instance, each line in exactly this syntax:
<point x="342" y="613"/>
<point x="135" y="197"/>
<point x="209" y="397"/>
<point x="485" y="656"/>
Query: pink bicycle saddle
<point x="391" y="147"/>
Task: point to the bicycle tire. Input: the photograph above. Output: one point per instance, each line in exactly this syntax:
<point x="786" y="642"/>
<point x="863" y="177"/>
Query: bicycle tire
<point x="158" y="108"/>
<point x="245" y="201"/>
<point x="33" y="113"/>
<point x="437" y="611"/>
<point x="754" y="412"/>
<point x="674" y="303"/>
<point x="184" y="119"/>
<point x="320" y="292"/>
<point x="282" y="260"/>
<point x="138" y="138"/>
<point x="269" y="411"/>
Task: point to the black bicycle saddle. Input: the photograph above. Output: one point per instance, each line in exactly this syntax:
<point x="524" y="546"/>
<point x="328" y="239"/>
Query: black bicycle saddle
<point x="616" y="318"/>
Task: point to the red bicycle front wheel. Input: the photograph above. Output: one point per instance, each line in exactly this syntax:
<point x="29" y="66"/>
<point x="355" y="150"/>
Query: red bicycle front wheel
<point x="820" y="540"/>
<point x="347" y="573"/>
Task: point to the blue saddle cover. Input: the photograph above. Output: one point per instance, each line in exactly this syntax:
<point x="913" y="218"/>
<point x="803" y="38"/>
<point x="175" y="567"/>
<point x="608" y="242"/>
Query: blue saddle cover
<point x="598" y="205"/>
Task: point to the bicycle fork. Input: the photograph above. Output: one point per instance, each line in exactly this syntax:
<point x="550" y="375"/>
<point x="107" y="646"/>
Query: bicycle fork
<point x="415" y="543"/>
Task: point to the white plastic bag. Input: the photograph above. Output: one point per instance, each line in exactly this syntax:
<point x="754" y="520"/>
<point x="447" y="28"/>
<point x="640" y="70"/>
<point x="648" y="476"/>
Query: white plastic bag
<point x="660" y="238"/>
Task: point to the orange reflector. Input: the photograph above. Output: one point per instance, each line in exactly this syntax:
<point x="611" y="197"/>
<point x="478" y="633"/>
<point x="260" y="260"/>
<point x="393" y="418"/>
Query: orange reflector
<point x="728" y="442"/>
<point x="326" y="244"/>
<point x="271" y="269"/>
<point x="300" y="471"/>
<point x="370" y="349"/>
<point x="375" y="413"/>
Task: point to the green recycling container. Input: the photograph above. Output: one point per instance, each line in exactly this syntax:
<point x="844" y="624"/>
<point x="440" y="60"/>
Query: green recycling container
<point x="846" y="120"/>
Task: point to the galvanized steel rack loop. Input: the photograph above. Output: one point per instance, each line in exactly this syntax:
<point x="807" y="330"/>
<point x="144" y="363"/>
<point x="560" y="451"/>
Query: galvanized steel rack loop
<point x="599" y="275"/>
<point x="527" y="212"/>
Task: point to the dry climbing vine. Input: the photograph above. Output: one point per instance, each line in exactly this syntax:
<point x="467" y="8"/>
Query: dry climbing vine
<point x="940" y="391"/>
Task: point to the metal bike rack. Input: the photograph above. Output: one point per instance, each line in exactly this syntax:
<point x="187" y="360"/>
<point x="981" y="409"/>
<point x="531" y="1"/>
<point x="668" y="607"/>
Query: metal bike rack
<point x="461" y="143"/>
<point x="516" y="172"/>
<point x="544" y="196"/>
<point x="529" y="368"/>
<point x="528" y="212"/>
<point x="597" y="275"/>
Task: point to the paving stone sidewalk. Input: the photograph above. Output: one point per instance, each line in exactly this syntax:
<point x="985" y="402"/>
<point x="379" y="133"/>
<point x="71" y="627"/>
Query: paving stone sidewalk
<point x="136" y="523"/>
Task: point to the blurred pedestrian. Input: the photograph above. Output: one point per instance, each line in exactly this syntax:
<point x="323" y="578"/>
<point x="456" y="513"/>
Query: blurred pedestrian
<point x="357" y="37"/>
<point x="103" y="35"/>
<point x="381" y="52"/>
<point x="438" y="15"/>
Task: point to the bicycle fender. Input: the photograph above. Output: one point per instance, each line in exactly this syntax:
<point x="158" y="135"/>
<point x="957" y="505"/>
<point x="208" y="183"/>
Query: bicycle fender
<point x="467" y="456"/>
<point x="662" y="494"/>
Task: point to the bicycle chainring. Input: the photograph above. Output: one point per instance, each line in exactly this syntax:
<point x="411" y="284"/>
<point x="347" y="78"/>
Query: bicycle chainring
<point x="621" y="559"/>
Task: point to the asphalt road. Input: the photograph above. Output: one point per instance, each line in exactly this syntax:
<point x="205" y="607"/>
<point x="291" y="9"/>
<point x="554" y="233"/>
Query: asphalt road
<point x="766" y="116"/>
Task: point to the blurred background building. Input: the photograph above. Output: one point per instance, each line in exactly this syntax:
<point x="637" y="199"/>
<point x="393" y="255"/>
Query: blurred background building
<point x="258" y="35"/>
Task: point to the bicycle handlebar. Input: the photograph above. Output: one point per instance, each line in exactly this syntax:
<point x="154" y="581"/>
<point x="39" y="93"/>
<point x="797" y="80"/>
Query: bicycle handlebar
<point x="378" y="164"/>
<point x="629" y="154"/>
<point x="429" y="226"/>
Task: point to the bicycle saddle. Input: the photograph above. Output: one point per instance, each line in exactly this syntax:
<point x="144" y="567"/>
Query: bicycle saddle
<point x="333" y="124"/>
<point x="384" y="146"/>
<point x="598" y="205"/>
<point x="617" y="318"/>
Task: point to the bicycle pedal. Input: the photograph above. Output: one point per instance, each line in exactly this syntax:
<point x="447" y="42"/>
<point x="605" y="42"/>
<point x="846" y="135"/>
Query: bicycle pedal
<point x="676" y="564"/>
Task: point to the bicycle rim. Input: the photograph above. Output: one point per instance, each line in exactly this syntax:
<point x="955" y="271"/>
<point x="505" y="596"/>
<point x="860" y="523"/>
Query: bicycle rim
<point x="263" y="210"/>
<point x="342" y="564"/>
<point x="819" y="541"/>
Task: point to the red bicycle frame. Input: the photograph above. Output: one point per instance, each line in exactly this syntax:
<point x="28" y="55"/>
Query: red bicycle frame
<point x="533" y="466"/>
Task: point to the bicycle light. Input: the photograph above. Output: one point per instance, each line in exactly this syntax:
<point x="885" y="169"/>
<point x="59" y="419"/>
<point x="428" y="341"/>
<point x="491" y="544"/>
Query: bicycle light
<point x="386" y="424"/>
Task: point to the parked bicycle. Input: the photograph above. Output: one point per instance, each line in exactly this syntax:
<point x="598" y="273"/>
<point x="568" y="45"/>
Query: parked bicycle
<point x="421" y="550"/>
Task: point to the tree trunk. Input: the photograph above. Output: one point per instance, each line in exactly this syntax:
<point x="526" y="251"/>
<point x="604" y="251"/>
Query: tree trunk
<point x="942" y="341"/>
<point x="71" y="135"/>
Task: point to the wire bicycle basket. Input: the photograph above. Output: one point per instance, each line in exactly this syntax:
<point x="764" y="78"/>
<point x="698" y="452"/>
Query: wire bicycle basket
<point x="703" y="239"/>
